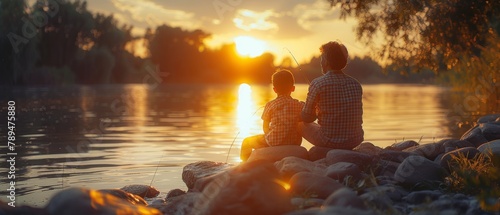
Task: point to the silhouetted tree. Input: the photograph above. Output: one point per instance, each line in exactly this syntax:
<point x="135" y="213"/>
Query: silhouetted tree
<point x="18" y="51"/>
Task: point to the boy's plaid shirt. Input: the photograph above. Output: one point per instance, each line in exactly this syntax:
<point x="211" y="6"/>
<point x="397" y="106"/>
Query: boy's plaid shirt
<point x="336" y="100"/>
<point x="284" y="115"/>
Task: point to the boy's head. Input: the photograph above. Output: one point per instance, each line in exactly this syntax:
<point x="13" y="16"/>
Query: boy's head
<point x="283" y="82"/>
<point x="333" y="56"/>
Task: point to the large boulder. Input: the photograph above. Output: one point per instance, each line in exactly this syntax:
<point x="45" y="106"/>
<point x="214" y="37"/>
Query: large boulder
<point x="488" y="118"/>
<point x="386" y="168"/>
<point x="141" y="190"/>
<point x="81" y="201"/>
<point x="276" y="153"/>
<point x="491" y="131"/>
<point x="289" y="166"/>
<point x="467" y="152"/>
<point x="400" y="146"/>
<point x="250" y="188"/>
<point x="345" y="197"/>
<point x="430" y="150"/>
<point x="318" y="152"/>
<point x="474" y="136"/>
<point x="490" y="148"/>
<point x="393" y="155"/>
<point x="453" y="144"/>
<point x="313" y="185"/>
<point x="367" y="148"/>
<point x="201" y="169"/>
<point x="418" y="170"/>
<point x="129" y="197"/>
<point x="340" y="170"/>
<point x="342" y="155"/>
<point x="182" y="204"/>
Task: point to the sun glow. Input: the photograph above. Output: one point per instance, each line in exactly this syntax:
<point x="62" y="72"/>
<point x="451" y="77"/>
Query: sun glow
<point x="245" y="109"/>
<point x="249" y="46"/>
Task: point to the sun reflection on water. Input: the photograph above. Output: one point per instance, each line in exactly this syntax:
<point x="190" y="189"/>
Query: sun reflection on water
<point x="245" y="110"/>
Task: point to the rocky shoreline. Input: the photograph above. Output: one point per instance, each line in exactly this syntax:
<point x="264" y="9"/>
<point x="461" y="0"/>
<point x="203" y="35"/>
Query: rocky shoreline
<point x="404" y="178"/>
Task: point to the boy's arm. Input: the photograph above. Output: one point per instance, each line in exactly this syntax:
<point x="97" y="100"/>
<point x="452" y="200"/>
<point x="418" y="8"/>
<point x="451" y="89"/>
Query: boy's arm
<point x="265" y="126"/>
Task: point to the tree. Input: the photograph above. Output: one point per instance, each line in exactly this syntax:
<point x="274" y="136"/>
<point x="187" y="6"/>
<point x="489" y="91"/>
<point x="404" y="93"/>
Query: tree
<point x="18" y="41"/>
<point x="424" y="33"/>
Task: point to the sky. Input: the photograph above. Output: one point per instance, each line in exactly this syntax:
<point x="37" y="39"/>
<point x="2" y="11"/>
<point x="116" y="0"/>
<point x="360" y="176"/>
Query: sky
<point x="300" y="26"/>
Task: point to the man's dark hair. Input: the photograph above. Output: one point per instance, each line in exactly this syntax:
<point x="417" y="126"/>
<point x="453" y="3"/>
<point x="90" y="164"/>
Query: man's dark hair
<point x="335" y="54"/>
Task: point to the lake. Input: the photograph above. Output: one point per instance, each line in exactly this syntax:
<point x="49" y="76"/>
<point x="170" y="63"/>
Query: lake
<point x="115" y="135"/>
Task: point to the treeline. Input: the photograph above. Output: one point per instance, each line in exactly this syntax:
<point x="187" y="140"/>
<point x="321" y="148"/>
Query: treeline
<point x="62" y="42"/>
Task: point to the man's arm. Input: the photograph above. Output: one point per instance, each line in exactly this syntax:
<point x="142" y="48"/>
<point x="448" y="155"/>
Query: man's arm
<point x="265" y="126"/>
<point x="309" y="110"/>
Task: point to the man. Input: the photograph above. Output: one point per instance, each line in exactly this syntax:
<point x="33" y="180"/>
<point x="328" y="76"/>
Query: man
<point x="335" y="99"/>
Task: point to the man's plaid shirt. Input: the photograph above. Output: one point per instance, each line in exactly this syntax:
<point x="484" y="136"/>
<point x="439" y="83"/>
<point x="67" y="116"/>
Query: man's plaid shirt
<point x="335" y="99"/>
<point x="284" y="116"/>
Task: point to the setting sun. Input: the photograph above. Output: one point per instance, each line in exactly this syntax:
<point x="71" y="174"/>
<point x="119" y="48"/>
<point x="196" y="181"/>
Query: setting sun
<point x="249" y="46"/>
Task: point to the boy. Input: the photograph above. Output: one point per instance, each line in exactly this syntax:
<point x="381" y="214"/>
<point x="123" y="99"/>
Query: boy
<point x="281" y="117"/>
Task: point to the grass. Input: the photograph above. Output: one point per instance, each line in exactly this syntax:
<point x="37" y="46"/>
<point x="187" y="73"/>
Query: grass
<point x="479" y="176"/>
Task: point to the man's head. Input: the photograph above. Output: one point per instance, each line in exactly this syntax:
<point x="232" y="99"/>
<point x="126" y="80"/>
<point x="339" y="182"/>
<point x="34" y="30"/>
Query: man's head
<point x="333" y="56"/>
<point x="283" y="82"/>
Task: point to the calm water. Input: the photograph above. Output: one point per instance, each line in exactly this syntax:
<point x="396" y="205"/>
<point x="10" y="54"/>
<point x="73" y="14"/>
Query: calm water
<point x="112" y="136"/>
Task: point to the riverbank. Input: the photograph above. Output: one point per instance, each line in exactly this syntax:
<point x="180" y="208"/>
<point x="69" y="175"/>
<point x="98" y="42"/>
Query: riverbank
<point x="449" y="176"/>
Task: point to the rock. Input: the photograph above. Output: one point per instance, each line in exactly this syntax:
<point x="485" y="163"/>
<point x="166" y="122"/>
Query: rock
<point x="313" y="185"/>
<point x="460" y="207"/>
<point x="474" y="136"/>
<point x="430" y="150"/>
<point x="129" y="197"/>
<point x="183" y="204"/>
<point x="395" y="156"/>
<point x="345" y="197"/>
<point x="332" y="210"/>
<point x="194" y="171"/>
<point x="377" y="200"/>
<point x="386" y="168"/>
<point x="418" y="170"/>
<point x="141" y="190"/>
<point x="340" y="170"/>
<point x="277" y="153"/>
<point x="21" y="210"/>
<point x="367" y="148"/>
<point x="402" y="145"/>
<point x="304" y="203"/>
<point x="342" y="155"/>
<point x="491" y="131"/>
<point x="174" y="193"/>
<point x="253" y="187"/>
<point x="468" y="152"/>
<point x="393" y="192"/>
<point x="81" y="201"/>
<point x="289" y="166"/>
<point x="419" y="197"/>
<point x="488" y="118"/>
<point x="452" y="144"/>
<point x="490" y="148"/>
<point x="318" y="152"/>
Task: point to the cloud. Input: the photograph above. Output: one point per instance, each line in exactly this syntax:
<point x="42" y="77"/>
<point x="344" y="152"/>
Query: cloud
<point x="153" y="14"/>
<point x="251" y="20"/>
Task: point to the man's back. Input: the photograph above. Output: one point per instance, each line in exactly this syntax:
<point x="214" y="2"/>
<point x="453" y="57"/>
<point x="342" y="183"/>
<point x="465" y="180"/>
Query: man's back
<point x="340" y="110"/>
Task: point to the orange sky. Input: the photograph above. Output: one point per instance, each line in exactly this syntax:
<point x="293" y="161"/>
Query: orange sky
<point x="299" y="25"/>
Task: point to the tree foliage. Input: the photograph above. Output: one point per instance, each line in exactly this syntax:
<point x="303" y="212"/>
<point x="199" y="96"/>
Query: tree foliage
<point x="424" y="33"/>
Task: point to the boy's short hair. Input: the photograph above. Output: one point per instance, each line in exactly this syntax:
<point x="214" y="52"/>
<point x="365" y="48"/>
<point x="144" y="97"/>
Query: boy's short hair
<point x="336" y="54"/>
<point x="283" y="81"/>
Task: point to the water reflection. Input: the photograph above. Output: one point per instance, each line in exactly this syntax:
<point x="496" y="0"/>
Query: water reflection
<point x="111" y="136"/>
<point x="245" y="110"/>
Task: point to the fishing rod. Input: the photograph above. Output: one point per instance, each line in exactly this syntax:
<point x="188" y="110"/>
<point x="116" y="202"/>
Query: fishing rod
<point x="298" y="65"/>
<point x="234" y="139"/>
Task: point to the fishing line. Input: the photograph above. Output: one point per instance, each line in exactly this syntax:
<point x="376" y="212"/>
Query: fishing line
<point x="234" y="139"/>
<point x="158" y="165"/>
<point x="298" y="65"/>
